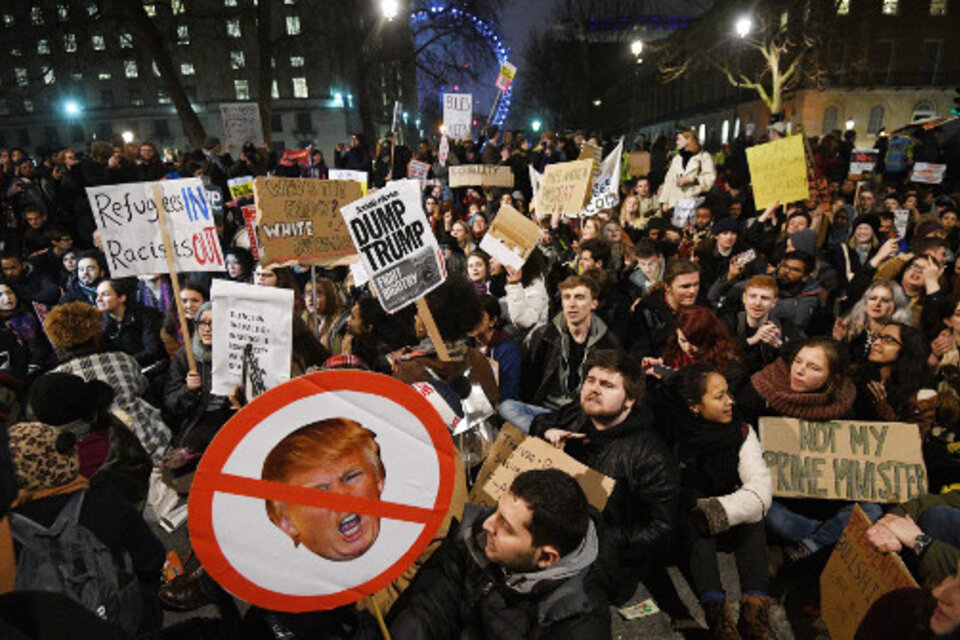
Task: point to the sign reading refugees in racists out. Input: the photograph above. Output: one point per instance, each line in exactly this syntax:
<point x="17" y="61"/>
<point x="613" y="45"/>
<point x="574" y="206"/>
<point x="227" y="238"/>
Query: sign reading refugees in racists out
<point x="511" y="237"/>
<point x="241" y="187"/>
<point x="241" y="122"/>
<point x="564" y="187"/>
<point x="515" y="452"/>
<point x="480" y="175"/>
<point x="129" y="224"/>
<point x="247" y="314"/>
<point x="855" y="577"/>
<point x="272" y="519"/>
<point x="396" y="245"/>
<point x="844" y="459"/>
<point x="862" y="163"/>
<point x="458" y="115"/>
<point x="778" y="170"/>
<point x="299" y="219"/>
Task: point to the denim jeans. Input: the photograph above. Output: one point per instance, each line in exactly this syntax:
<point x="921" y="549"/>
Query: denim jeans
<point x="941" y="523"/>
<point x="811" y="533"/>
<point x="521" y="414"/>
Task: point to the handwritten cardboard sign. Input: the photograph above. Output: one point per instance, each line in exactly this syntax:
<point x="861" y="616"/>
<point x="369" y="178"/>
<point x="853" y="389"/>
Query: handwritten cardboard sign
<point x="638" y="163"/>
<point x="515" y="452"/>
<point x="480" y="175"/>
<point x="862" y="163"/>
<point x="241" y="122"/>
<point x="396" y="245"/>
<point x="564" y="187"/>
<point x="299" y="219"/>
<point x="126" y="215"/>
<point x="511" y="237"/>
<point x="458" y="115"/>
<point x="855" y="577"/>
<point x="844" y="459"/>
<point x="778" y="170"/>
<point x="928" y="173"/>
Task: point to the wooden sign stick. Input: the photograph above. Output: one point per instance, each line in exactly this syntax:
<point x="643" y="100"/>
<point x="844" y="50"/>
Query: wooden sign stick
<point x="424" y="310"/>
<point x="379" y="616"/>
<point x="174" y="281"/>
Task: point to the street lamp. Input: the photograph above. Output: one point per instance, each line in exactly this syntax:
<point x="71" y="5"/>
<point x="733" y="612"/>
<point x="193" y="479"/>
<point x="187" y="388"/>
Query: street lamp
<point x="535" y="125"/>
<point x="389" y="8"/>
<point x="71" y="108"/>
<point x="850" y="124"/>
<point x="743" y="26"/>
<point x="127" y="137"/>
<point x="636" y="47"/>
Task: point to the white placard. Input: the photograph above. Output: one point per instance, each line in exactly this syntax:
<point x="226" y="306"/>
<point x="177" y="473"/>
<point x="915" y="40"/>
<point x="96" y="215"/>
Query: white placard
<point x="241" y="122"/>
<point x="347" y="174"/>
<point x="126" y="216"/>
<point x="458" y="115"/>
<point x="261" y="316"/>
<point x="606" y="186"/>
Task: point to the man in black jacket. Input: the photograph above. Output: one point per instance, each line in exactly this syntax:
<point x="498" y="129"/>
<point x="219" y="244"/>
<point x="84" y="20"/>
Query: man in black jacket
<point x="533" y="568"/>
<point x="609" y="431"/>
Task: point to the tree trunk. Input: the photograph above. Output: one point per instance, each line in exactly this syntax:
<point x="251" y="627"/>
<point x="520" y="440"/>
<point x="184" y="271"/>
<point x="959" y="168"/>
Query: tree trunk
<point x="264" y="68"/>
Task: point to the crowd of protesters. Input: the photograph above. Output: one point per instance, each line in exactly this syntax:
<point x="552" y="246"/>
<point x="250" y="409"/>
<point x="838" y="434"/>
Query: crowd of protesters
<point x="645" y="350"/>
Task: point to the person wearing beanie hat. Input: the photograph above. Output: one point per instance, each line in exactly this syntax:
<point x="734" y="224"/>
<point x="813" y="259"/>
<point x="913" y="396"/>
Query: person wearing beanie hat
<point x="850" y="257"/>
<point x="714" y="255"/>
<point x="44" y="457"/>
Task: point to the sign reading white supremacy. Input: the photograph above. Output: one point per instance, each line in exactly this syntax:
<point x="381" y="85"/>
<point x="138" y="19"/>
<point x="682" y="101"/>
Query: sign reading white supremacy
<point x="129" y="224"/>
<point x="241" y="122"/>
<point x="458" y="115"/>
<point x="395" y="243"/>
<point x="247" y="314"/>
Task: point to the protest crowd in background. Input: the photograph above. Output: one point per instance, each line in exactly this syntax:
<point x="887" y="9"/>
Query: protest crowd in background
<point x="647" y="340"/>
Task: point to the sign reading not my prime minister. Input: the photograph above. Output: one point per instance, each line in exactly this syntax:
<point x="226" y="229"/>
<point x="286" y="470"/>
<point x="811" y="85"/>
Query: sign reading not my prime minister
<point x="395" y="243"/>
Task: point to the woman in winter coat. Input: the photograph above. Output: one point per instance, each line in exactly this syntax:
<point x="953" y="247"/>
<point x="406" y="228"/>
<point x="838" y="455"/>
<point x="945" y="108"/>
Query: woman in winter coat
<point x="691" y="172"/>
<point x="725" y="492"/>
<point x="528" y="303"/>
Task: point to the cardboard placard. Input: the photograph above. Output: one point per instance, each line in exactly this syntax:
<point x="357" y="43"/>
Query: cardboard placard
<point x="505" y="77"/>
<point x="844" y="459"/>
<point x="247" y="314"/>
<point x="564" y="188"/>
<point x="778" y="170"/>
<point x="359" y="177"/>
<point x="241" y="187"/>
<point x="638" y="164"/>
<point x="396" y="244"/>
<point x="241" y="122"/>
<point x="855" y="577"/>
<point x="417" y="170"/>
<point x="480" y="175"/>
<point x="862" y="163"/>
<point x="928" y="173"/>
<point x="511" y="237"/>
<point x="127" y="217"/>
<point x="458" y="115"/>
<point x="515" y="452"/>
<point x="299" y="219"/>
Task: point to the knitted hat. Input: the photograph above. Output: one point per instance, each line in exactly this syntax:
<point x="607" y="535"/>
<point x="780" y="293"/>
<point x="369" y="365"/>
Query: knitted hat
<point x="805" y="241"/>
<point x="58" y="398"/>
<point x="724" y="225"/>
<point x="866" y="218"/>
<point x="72" y="324"/>
<point x="43" y="456"/>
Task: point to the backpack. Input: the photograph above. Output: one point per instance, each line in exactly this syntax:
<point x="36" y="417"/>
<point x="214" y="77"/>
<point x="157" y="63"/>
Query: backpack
<point x="69" y="559"/>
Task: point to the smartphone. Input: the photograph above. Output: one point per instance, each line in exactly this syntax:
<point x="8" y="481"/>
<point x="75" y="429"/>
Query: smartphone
<point x="662" y="370"/>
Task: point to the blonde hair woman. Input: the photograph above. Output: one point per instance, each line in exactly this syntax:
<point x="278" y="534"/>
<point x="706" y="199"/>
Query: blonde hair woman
<point x="691" y="172"/>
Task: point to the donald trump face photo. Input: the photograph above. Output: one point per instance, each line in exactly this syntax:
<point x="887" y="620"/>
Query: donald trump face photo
<point x="336" y="455"/>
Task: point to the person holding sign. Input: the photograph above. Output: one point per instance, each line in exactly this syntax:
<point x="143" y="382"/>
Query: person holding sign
<point x="691" y="173"/>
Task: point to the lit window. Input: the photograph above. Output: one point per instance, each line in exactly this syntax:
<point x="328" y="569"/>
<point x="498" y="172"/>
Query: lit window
<point x="177" y="7"/>
<point x="300" y="88"/>
<point x="22" y="79"/>
<point x="28" y="106"/>
<point x="76" y="76"/>
<point x="62" y="12"/>
<point x="99" y="43"/>
<point x="36" y="16"/>
<point x="163" y="97"/>
<point x="289" y="2"/>
<point x="49" y="77"/>
<point x="242" y="89"/>
<point x="151" y="10"/>
<point x="876" y="120"/>
<point x="130" y="68"/>
<point x="104" y="75"/>
<point x="186" y="68"/>
<point x="70" y="42"/>
<point x="92" y="9"/>
<point x="293" y="25"/>
<point x="233" y="28"/>
<point x="16" y="53"/>
<point x="275" y="91"/>
<point x="126" y="41"/>
<point x="43" y="46"/>
<point x="156" y="69"/>
<point x="938" y="7"/>
<point x="7" y="20"/>
<point x="183" y="34"/>
<point x="890" y="7"/>
<point x="725" y="132"/>
<point x="236" y="60"/>
<point x="229" y="3"/>
<point x="296" y="61"/>
<point x="843" y="7"/>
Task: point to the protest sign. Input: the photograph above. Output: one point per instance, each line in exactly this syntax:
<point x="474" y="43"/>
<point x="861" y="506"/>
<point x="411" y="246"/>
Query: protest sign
<point x="443" y="151"/>
<point x="515" y="452"/>
<point x="215" y="198"/>
<point x="563" y="187"/>
<point x="480" y="175"/>
<point x="684" y="211"/>
<point x="393" y="237"/>
<point x="511" y="237"/>
<point x="928" y="173"/>
<point x="241" y="122"/>
<point x="247" y="314"/>
<point x="779" y="172"/>
<point x="349" y="174"/>
<point x="856" y="576"/>
<point x="299" y="219"/>
<point x="844" y="459"/>
<point x="638" y="164"/>
<point x="250" y="223"/>
<point x="606" y="183"/>
<point x="276" y="536"/>
<point x="901" y="220"/>
<point x="458" y="115"/>
<point x="241" y="187"/>
<point x="301" y="157"/>
<point x="419" y="171"/>
<point x="359" y="273"/>
<point x="535" y="179"/>
<point x="862" y="163"/>
<point x="129" y="223"/>
<point x="505" y="77"/>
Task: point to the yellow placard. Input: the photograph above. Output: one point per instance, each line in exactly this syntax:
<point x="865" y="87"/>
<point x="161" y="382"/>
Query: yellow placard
<point x="778" y="171"/>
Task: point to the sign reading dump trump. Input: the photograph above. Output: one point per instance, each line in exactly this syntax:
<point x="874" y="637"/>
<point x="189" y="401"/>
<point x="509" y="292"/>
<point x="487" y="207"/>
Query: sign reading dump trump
<point x="395" y="243"/>
<point x="844" y="459"/>
<point x="778" y="170"/>
<point x="129" y="224"/>
<point x="321" y="491"/>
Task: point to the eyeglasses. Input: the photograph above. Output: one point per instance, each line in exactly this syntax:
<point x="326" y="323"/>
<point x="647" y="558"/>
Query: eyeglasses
<point x="208" y="324"/>
<point x="889" y="340"/>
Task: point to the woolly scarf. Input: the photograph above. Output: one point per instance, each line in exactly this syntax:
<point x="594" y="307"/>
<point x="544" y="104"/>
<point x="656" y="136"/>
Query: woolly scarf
<point x="773" y="384"/>
<point x="711" y="453"/>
